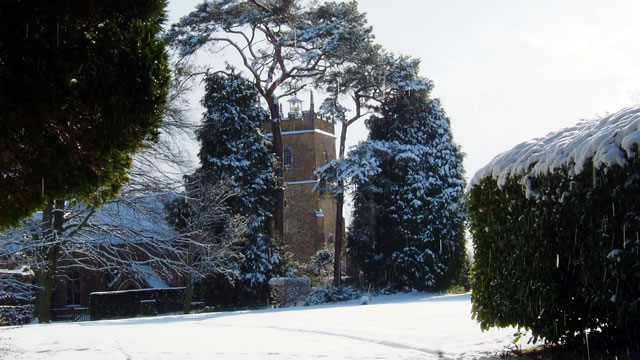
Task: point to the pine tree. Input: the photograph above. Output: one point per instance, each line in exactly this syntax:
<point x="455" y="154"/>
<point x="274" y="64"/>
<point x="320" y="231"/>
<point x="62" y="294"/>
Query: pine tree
<point x="234" y="153"/>
<point x="283" y="45"/>
<point x="408" y="228"/>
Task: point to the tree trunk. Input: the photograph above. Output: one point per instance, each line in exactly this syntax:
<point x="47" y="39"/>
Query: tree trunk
<point x="45" y="281"/>
<point x="278" y="149"/>
<point x="188" y="296"/>
<point x="337" y="273"/>
<point x="51" y="222"/>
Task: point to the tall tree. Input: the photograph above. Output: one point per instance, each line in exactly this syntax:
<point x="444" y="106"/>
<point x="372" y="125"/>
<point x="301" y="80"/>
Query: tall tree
<point x="409" y="212"/>
<point x="234" y="153"/>
<point x="281" y="45"/>
<point x="82" y="85"/>
<point x="369" y="77"/>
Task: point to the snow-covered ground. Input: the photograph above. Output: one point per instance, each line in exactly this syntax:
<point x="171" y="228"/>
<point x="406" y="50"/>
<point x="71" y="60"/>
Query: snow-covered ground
<point x="409" y="326"/>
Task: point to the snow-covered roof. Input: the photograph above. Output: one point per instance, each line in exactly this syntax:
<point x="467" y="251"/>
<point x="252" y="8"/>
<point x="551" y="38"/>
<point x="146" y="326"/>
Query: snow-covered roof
<point x="603" y="140"/>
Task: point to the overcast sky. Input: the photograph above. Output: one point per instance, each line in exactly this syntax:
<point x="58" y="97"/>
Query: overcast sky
<point x="508" y="71"/>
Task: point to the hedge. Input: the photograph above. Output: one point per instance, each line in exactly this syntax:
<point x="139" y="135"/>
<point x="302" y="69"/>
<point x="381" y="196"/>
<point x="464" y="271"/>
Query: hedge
<point x="557" y="249"/>
<point x="131" y="303"/>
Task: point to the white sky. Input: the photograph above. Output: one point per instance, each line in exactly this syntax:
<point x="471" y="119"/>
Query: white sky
<point x="507" y="71"/>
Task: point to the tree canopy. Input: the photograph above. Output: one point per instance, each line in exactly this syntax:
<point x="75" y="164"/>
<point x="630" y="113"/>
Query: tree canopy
<point x="281" y="44"/>
<point x="82" y="87"/>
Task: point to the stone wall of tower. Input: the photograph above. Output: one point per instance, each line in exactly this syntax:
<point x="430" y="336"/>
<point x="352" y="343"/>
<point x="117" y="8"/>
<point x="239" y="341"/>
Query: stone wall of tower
<point x="309" y="220"/>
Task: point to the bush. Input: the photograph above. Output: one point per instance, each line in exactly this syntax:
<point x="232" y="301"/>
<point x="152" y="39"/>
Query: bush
<point x="131" y="303"/>
<point x="557" y="247"/>
<point x="321" y="264"/>
<point x="329" y="294"/>
<point x="16" y="315"/>
<point x="289" y="291"/>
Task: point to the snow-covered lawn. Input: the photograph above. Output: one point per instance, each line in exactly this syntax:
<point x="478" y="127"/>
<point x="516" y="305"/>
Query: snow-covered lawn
<point x="409" y="326"/>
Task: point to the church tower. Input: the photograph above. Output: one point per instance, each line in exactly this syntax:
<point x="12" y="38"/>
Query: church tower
<point x="309" y="142"/>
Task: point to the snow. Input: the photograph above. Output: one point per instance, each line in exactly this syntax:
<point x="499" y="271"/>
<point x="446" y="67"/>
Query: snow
<point x="605" y="141"/>
<point x="150" y="276"/>
<point x="406" y="326"/>
<point x="20" y="270"/>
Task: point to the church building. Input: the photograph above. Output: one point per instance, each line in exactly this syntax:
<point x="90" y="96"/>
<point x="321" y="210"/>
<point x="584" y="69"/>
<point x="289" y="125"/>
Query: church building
<point x="309" y="142"/>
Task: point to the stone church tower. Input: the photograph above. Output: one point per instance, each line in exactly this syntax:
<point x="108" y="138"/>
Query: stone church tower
<point x="309" y="143"/>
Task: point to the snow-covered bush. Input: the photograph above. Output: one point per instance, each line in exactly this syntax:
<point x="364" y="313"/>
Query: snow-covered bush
<point x="321" y="264"/>
<point x="16" y="286"/>
<point x="555" y="223"/>
<point x="289" y="291"/>
<point x="328" y="294"/>
<point x="16" y="315"/>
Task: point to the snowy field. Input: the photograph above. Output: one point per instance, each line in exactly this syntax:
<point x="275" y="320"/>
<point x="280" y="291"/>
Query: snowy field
<point x="410" y="326"/>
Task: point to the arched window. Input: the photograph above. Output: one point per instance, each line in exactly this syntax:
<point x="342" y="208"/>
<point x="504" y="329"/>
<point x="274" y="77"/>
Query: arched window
<point x="288" y="157"/>
<point x="325" y="157"/>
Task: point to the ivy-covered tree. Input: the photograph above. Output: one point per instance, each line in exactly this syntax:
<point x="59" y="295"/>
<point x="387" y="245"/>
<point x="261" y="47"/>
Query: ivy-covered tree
<point x="234" y="153"/>
<point x="409" y="210"/>
<point x="82" y="86"/>
<point x="282" y="45"/>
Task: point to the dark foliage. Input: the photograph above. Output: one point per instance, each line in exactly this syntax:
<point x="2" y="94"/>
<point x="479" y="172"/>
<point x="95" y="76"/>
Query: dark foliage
<point x="564" y="263"/>
<point x="82" y="87"/>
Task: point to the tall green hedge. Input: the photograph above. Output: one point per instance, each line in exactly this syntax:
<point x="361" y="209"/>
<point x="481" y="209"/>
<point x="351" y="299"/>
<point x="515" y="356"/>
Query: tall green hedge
<point x="564" y="262"/>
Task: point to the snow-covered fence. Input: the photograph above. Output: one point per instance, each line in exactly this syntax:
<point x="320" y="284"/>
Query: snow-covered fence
<point x="555" y="222"/>
<point x="130" y="303"/>
<point x="289" y="291"/>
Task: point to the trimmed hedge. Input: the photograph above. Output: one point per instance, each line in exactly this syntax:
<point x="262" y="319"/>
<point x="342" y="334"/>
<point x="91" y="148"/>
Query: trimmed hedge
<point x="564" y="262"/>
<point x="131" y="303"/>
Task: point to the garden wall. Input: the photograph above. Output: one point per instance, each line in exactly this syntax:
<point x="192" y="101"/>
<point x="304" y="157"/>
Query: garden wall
<point x="131" y="303"/>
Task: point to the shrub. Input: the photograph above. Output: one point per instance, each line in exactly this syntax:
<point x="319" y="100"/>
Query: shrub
<point x="15" y="314"/>
<point x="329" y="294"/>
<point x="321" y="264"/>
<point x="555" y="224"/>
<point x="289" y="291"/>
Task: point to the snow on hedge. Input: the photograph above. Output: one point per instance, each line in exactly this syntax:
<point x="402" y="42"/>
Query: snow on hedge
<point x="604" y="141"/>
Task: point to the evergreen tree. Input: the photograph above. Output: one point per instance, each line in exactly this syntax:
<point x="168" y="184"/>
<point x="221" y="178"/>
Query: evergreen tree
<point x="371" y="75"/>
<point x="234" y="153"/>
<point x="408" y="228"/>
<point x="82" y="87"/>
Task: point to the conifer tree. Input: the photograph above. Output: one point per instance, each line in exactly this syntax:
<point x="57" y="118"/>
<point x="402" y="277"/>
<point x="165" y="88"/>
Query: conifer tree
<point x="408" y="228"/>
<point x="234" y="153"/>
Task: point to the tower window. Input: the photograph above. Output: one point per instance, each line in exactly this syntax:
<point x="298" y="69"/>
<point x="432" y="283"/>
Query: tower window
<point x="325" y="157"/>
<point x="288" y="157"/>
